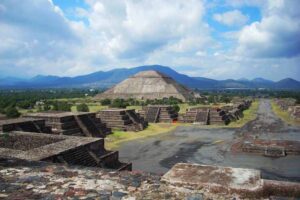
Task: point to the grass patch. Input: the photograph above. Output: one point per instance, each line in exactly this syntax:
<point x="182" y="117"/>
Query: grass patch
<point x="113" y="141"/>
<point x="93" y="108"/>
<point x="185" y="106"/>
<point x="24" y="111"/>
<point x="249" y="115"/>
<point x="283" y="115"/>
<point x="134" y="107"/>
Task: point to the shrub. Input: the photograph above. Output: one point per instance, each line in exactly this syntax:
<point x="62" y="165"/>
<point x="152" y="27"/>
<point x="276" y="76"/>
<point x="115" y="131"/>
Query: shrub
<point x="12" y="112"/>
<point x="105" y="102"/>
<point x="61" y="106"/>
<point x="119" y="103"/>
<point x="176" y="108"/>
<point x="82" y="108"/>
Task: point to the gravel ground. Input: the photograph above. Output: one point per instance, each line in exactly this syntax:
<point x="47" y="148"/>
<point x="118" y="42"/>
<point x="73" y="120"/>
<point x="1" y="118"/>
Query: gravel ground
<point x="212" y="146"/>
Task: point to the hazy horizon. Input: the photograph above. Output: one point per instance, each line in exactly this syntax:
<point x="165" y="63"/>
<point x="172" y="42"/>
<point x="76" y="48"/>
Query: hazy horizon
<point x="241" y="78"/>
<point x="219" y="39"/>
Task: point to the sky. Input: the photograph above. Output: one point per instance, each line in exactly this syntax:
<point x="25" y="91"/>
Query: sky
<point x="218" y="39"/>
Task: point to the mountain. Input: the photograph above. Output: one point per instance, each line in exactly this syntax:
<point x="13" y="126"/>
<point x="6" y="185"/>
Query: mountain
<point x="107" y="79"/>
<point x="287" y="83"/>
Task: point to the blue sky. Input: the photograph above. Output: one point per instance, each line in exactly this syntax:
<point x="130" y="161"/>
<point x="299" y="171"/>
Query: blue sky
<point x="217" y="39"/>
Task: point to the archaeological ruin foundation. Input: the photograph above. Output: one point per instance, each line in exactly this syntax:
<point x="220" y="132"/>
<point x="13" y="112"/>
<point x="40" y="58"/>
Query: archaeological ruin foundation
<point x="148" y="85"/>
<point x="69" y="150"/>
<point x="122" y="119"/>
<point x="159" y="114"/>
<point x="215" y="116"/>
<point x="76" y="124"/>
<point x="46" y="138"/>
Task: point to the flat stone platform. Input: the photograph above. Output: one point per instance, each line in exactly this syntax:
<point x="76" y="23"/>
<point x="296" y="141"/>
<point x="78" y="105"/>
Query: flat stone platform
<point x="216" y="179"/>
<point x="56" y="145"/>
<point x="199" y="176"/>
<point x="69" y="150"/>
<point x="21" y="179"/>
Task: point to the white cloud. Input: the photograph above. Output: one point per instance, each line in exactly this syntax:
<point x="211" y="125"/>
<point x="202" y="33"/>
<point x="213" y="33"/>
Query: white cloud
<point x="276" y="35"/>
<point x="231" y="18"/>
<point x="38" y="38"/>
<point x="112" y="34"/>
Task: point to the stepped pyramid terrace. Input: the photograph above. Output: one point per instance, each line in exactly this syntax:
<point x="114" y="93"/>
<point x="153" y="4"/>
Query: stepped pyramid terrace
<point x="158" y="113"/>
<point x="46" y="139"/>
<point x="76" y="124"/>
<point x="123" y="119"/>
<point x="148" y="85"/>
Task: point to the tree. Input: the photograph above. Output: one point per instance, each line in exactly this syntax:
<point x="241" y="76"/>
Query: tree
<point x="105" y="102"/>
<point x="47" y="106"/>
<point x="12" y="112"/>
<point x="211" y="99"/>
<point x="61" y="106"/>
<point x="176" y="108"/>
<point x="119" y="103"/>
<point x="82" y="108"/>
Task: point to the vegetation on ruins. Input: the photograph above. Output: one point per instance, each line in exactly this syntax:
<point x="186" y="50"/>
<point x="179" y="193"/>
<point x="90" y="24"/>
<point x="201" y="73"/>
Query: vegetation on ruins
<point x="12" y="112"/>
<point x="249" y="115"/>
<point x="284" y="115"/>
<point x="82" y="107"/>
<point x="61" y="106"/>
<point x="105" y="102"/>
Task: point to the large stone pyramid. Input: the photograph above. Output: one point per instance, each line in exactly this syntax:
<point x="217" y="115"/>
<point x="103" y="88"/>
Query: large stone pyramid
<point x="148" y="85"/>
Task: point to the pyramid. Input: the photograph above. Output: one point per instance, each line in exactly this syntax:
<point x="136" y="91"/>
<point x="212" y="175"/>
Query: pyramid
<point x="148" y="85"/>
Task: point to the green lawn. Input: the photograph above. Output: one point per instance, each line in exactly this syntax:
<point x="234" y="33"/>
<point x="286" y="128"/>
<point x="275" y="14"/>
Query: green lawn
<point x="92" y="107"/>
<point x="284" y="115"/>
<point x="185" y="106"/>
<point x="113" y="141"/>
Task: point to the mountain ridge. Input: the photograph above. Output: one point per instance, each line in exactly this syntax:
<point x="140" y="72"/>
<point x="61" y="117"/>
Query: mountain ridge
<point x="106" y="79"/>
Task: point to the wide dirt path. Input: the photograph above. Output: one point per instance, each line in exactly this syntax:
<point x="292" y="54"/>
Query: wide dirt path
<point x="212" y="146"/>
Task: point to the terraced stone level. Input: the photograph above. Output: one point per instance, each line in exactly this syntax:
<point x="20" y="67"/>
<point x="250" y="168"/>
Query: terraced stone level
<point x="123" y="119"/>
<point x="69" y="150"/>
<point x="76" y="124"/>
<point x="159" y="113"/>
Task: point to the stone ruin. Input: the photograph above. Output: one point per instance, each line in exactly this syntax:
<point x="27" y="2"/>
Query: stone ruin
<point x="69" y="150"/>
<point x="215" y="116"/>
<point x="158" y="113"/>
<point x="2" y="117"/>
<point x="148" y="85"/>
<point x="195" y="115"/>
<point x="24" y="124"/>
<point x="284" y="104"/>
<point x="290" y="106"/>
<point x="54" y="137"/>
<point x="123" y="119"/>
<point x="246" y="183"/>
<point x="41" y="180"/>
<point x="295" y="112"/>
<point x="271" y="148"/>
<point x="76" y="124"/>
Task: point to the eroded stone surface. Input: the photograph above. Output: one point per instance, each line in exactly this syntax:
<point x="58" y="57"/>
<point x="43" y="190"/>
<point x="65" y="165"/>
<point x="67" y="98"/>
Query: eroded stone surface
<point x="38" y="180"/>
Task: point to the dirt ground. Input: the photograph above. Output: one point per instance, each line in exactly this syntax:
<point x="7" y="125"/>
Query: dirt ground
<point x="212" y="146"/>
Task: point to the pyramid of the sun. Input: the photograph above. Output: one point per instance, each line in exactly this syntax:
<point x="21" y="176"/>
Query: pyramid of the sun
<point x="148" y="85"/>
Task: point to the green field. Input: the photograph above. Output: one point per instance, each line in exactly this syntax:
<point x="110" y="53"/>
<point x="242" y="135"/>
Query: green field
<point x="284" y="115"/>
<point x="185" y="106"/>
<point x="113" y="141"/>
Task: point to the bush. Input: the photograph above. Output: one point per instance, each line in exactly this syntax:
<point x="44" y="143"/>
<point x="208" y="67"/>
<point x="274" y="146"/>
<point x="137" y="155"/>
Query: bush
<point x="82" y="108"/>
<point x="25" y="104"/>
<point x="119" y="103"/>
<point x="105" y="102"/>
<point x="176" y="108"/>
<point x="61" y="106"/>
<point x="12" y="112"/>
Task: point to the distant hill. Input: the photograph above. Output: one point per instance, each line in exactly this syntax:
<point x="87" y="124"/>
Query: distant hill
<point x="107" y="79"/>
